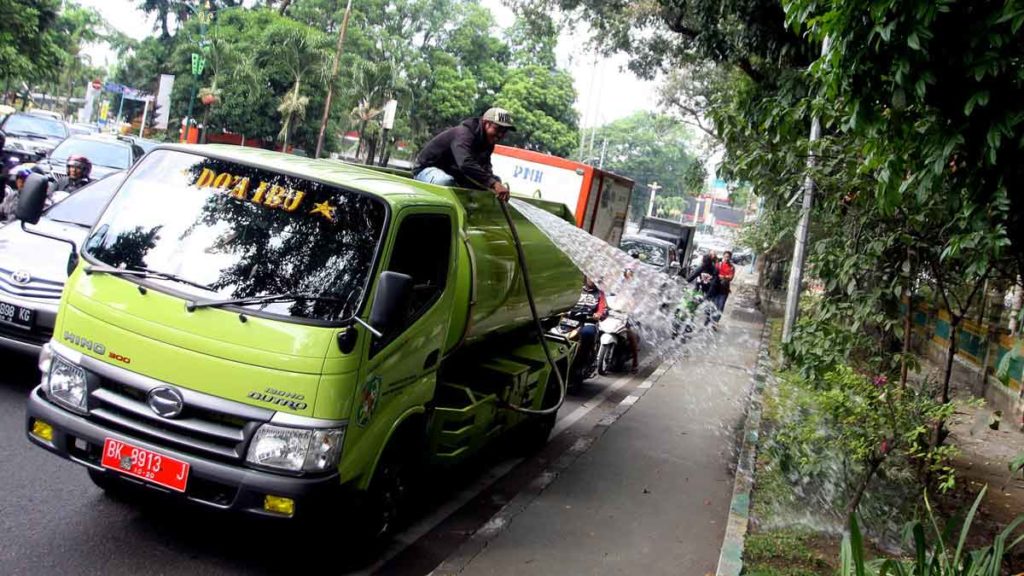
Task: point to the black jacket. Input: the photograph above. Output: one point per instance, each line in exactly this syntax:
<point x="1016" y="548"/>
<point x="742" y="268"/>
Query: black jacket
<point x="707" y="278"/>
<point x="463" y="152"/>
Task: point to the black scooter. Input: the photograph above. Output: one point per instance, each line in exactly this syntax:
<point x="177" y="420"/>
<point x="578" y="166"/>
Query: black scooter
<point x="584" y="362"/>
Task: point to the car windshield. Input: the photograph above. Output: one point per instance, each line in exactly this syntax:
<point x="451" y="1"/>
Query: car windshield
<point x="23" y="124"/>
<point x="648" y="253"/>
<point x="84" y="206"/>
<point x="110" y="154"/>
<point x="243" y="231"/>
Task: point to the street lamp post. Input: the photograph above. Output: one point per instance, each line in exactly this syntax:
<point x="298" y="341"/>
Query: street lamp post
<point x="198" y="60"/>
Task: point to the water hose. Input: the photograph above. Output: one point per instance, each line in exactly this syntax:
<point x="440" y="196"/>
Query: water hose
<point x="536" y="319"/>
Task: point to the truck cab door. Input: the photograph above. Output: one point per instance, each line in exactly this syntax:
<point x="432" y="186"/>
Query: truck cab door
<point x="401" y="369"/>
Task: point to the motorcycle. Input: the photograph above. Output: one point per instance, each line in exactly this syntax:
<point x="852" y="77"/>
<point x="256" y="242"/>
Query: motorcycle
<point x="615" y="350"/>
<point x="583" y="364"/>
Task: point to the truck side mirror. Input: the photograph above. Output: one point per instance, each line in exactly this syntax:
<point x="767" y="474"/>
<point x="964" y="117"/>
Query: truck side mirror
<point x="391" y="301"/>
<point x="32" y="198"/>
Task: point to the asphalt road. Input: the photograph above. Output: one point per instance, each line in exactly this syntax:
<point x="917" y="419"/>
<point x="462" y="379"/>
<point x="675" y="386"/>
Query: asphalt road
<point x="54" y="520"/>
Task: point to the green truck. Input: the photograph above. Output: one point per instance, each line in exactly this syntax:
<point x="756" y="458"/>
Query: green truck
<point x="259" y="332"/>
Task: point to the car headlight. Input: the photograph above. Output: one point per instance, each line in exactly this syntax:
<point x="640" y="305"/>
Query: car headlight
<point x="67" y="385"/>
<point x="296" y="449"/>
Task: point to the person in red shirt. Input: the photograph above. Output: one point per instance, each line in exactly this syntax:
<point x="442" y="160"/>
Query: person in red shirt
<point x="726" y="272"/>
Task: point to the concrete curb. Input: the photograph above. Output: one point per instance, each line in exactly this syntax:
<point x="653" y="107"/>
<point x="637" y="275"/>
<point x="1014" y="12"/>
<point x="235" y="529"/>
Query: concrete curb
<point x="476" y="544"/>
<point x="730" y="561"/>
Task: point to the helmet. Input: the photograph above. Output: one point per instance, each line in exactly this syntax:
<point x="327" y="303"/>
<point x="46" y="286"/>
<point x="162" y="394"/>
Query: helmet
<point x="82" y="162"/>
<point x="24" y="170"/>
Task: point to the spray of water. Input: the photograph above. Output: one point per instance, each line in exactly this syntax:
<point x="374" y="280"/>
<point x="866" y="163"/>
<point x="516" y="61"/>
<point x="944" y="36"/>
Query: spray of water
<point x="667" y="311"/>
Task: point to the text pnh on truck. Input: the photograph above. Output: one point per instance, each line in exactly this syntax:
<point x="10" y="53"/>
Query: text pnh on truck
<point x="214" y="340"/>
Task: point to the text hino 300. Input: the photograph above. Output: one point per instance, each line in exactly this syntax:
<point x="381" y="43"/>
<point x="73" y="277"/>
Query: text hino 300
<point x="260" y="332"/>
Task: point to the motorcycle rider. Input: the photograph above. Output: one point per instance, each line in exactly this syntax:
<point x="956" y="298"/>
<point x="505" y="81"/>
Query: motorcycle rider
<point x="15" y="183"/>
<point x="593" y="306"/>
<point x="634" y="342"/>
<point x="79" y="168"/>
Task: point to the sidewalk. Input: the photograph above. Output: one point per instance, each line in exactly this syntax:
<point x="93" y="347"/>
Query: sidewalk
<point x="651" y="494"/>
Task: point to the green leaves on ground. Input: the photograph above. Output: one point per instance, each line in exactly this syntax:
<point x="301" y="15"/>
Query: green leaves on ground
<point x="934" y="558"/>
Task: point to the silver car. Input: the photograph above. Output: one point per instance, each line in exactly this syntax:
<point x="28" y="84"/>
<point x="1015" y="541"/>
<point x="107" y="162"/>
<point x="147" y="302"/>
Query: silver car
<point x="33" y="269"/>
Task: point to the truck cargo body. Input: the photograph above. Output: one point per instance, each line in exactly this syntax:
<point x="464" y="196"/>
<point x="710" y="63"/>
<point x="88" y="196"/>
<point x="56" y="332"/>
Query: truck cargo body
<point x="598" y="199"/>
<point x="221" y="322"/>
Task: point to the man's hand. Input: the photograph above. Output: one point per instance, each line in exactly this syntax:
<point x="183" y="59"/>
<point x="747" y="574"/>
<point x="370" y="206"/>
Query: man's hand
<point x="500" y="191"/>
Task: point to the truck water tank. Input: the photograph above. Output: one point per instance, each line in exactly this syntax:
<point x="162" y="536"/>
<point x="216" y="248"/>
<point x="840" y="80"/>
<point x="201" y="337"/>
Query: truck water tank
<point x="497" y="298"/>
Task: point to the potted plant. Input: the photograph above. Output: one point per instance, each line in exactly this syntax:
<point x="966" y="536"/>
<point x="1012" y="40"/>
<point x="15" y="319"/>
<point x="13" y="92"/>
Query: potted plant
<point x="209" y="96"/>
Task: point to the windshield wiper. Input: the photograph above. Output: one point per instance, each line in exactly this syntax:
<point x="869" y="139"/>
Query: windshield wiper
<point x="72" y="222"/>
<point x="286" y="297"/>
<point x="34" y="135"/>
<point x="144" y="273"/>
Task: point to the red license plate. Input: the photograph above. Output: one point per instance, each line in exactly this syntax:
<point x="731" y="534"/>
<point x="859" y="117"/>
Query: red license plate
<point x="145" y="464"/>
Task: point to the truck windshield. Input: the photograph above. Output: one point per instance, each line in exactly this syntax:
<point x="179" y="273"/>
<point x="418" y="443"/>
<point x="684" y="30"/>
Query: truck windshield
<point x="647" y="253"/>
<point x="245" y="232"/>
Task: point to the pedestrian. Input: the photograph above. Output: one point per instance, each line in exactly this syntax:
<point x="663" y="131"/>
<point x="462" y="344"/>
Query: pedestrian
<point x="726" y="273"/>
<point x="461" y="155"/>
<point x="706" y="277"/>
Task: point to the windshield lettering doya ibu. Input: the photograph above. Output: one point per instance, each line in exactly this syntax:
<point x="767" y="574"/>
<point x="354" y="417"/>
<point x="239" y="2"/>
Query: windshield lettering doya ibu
<point x="245" y="232"/>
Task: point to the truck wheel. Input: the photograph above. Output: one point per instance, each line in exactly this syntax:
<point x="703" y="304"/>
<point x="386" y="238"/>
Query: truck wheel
<point x="604" y="359"/>
<point x="388" y="496"/>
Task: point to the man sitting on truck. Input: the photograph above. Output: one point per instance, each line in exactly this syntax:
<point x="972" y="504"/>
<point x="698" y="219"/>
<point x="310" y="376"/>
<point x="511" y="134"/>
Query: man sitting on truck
<point x="461" y="155"/>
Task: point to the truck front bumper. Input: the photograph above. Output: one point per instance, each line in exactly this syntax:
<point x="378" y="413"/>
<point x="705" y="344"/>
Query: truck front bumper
<point x="210" y="483"/>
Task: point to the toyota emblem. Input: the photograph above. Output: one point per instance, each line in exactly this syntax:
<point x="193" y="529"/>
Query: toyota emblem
<point x="21" y="277"/>
<point x="166" y="402"/>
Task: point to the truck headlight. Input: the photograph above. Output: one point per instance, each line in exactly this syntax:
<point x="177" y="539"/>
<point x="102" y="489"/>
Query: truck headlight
<point x="296" y="449"/>
<point x="45" y="359"/>
<point x="67" y="385"/>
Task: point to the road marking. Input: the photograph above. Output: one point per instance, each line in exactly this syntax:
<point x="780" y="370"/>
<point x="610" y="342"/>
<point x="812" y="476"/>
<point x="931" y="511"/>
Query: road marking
<point x="410" y="535"/>
<point x="476" y="543"/>
<point x="595" y="401"/>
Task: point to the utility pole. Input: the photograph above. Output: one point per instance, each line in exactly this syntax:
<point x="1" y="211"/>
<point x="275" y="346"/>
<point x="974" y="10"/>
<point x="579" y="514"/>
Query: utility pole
<point x="198" y="62"/>
<point x="796" y="270"/>
<point x="654" y="192"/>
<point x="334" y="78"/>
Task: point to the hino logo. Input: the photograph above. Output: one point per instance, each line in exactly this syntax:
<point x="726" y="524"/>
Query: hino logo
<point x="166" y="402"/>
<point x="84" y="343"/>
<point x="21" y="277"/>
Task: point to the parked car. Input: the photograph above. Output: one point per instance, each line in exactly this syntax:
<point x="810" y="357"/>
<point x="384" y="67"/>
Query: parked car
<point x="33" y="269"/>
<point x="108" y="154"/>
<point x="47" y="114"/>
<point x="30" y="137"/>
<point x="144" y="143"/>
<point x="84" y="128"/>
<point x="654" y="252"/>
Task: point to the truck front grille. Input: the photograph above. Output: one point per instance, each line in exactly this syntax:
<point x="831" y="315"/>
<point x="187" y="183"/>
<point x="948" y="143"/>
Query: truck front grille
<point x="207" y="426"/>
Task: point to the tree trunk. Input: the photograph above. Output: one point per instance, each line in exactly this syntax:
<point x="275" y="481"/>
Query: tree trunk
<point x="907" y="317"/>
<point x="284" y="6"/>
<point x="333" y="81"/>
<point x="873" y="465"/>
<point x="287" y="129"/>
<point x="947" y="374"/>
<point x="202" y="135"/>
